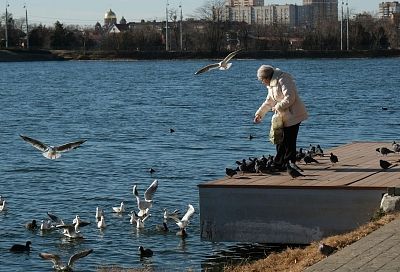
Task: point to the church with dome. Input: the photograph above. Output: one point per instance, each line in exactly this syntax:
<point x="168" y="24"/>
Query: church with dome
<point x="111" y="25"/>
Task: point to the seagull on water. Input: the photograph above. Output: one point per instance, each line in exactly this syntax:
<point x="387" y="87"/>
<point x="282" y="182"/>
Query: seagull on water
<point x="99" y="213"/>
<point x="222" y="65"/>
<point x="138" y="220"/>
<point x="184" y="222"/>
<point x="52" y="152"/>
<point x="3" y="205"/>
<point x="101" y="224"/>
<point x="119" y="209"/>
<point x="145" y="204"/>
<point x="58" y="265"/>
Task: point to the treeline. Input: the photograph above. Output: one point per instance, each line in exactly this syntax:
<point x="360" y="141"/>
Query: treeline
<point x="208" y="35"/>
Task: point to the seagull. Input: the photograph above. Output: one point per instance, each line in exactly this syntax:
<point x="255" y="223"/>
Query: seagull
<point x="21" y="248"/>
<point x="293" y="172"/>
<point x="325" y="249"/>
<point x="101" y="224"/>
<point x="3" y="205"/>
<point x="52" y="152"/>
<point x="145" y="204"/>
<point x="384" y="164"/>
<point x="333" y="158"/>
<point x="384" y="151"/>
<point x="230" y="172"/>
<point x="46" y="225"/>
<point x="119" y="209"/>
<point x="184" y="222"/>
<point x="135" y="218"/>
<point x="99" y="213"/>
<point x="145" y="252"/>
<point x="58" y="265"/>
<point x="222" y="65"/>
<point x="71" y="231"/>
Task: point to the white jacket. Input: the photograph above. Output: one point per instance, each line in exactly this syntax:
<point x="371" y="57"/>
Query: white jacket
<point x="282" y="94"/>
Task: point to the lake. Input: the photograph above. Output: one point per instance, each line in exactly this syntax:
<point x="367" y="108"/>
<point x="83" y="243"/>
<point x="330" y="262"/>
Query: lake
<point x="125" y="110"/>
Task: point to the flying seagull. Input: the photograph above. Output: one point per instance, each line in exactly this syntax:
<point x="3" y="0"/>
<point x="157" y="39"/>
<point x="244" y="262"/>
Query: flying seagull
<point x="58" y="265"/>
<point x="145" y="204"/>
<point x="222" y="65"/>
<point x="52" y="152"/>
<point x="184" y="222"/>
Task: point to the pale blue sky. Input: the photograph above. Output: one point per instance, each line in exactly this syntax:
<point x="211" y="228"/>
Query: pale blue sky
<point x="88" y="12"/>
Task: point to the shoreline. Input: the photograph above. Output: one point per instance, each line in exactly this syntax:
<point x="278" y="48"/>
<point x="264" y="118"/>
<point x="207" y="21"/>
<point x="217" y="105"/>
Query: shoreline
<point x="17" y="55"/>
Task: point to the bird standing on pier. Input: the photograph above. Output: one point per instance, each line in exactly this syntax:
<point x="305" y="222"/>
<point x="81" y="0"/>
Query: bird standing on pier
<point x="222" y="65"/>
<point x="396" y="147"/>
<point x="325" y="249"/>
<point x="308" y="159"/>
<point x="333" y="158"/>
<point x="384" y="150"/>
<point x="384" y="164"/>
<point x="230" y="172"/>
<point x="293" y="172"/>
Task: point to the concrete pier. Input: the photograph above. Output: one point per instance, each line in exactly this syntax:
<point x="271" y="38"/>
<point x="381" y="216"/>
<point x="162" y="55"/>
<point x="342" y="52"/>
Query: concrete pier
<point x="329" y="200"/>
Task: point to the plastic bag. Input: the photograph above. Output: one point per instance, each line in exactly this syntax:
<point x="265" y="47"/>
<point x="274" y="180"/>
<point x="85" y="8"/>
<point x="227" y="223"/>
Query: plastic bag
<point x="276" y="131"/>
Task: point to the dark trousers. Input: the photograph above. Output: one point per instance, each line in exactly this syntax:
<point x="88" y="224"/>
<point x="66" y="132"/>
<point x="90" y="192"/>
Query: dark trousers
<point x="286" y="151"/>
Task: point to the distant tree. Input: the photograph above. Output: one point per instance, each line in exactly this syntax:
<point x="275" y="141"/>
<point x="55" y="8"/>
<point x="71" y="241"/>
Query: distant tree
<point x="39" y="37"/>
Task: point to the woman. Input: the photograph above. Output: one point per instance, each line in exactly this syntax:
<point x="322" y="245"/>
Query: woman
<point x="282" y="98"/>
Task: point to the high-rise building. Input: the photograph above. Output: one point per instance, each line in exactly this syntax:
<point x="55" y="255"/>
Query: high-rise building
<point x="322" y="10"/>
<point x="386" y="9"/>
<point x="244" y="3"/>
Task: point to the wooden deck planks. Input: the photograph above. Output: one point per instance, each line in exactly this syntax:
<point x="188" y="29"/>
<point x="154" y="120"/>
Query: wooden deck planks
<point x="358" y="166"/>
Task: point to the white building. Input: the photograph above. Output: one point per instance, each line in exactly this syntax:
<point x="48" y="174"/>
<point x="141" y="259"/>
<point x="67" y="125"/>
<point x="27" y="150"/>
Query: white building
<point x="386" y="9"/>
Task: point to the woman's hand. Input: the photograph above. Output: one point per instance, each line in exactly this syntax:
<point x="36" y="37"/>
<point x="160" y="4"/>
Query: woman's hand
<point x="257" y="119"/>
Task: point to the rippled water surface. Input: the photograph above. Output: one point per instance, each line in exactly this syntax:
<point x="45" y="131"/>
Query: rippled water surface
<point x="125" y="110"/>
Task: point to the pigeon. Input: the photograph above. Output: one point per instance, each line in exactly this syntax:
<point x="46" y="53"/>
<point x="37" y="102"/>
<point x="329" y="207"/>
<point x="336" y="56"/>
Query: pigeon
<point x="293" y="172"/>
<point x="222" y="65"/>
<point x="58" y="265"/>
<point x="184" y="222"/>
<point x="308" y="159"/>
<point x="119" y="209"/>
<point x="32" y="226"/>
<point x="145" y="204"/>
<point x="145" y="252"/>
<point x="21" y="248"/>
<point x="396" y="147"/>
<point x="325" y="249"/>
<point x="294" y="166"/>
<point x="52" y="152"/>
<point x="384" y="151"/>
<point x="319" y="151"/>
<point x="384" y="164"/>
<point x="333" y="158"/>
<point x="230" y="172"/>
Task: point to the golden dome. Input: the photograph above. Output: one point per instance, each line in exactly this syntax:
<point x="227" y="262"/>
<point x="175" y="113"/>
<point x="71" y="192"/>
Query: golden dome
<point x="110" y="15"/>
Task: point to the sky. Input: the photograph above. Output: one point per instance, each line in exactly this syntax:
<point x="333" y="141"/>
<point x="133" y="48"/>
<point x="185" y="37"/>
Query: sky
<point x="88" y="12"/>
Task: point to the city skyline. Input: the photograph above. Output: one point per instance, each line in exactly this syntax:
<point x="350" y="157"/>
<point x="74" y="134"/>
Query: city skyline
<point x="88" y="12"/>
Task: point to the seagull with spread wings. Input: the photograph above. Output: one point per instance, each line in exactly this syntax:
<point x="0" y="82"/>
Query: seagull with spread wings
<point x="49" y="151"/>
<point x="145" y="204"/>
<point x="222" y="65"/>
<point x="58" y="265"/>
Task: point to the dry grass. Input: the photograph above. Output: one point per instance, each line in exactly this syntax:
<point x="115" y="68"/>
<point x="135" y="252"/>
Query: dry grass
<point x="295" y="260"/>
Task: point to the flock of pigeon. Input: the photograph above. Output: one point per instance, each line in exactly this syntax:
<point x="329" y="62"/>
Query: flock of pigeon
<point x="265" y="165"/>
<point x="73" y="230"/>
